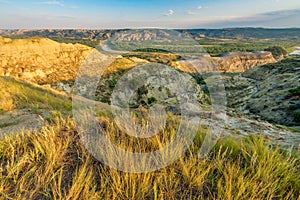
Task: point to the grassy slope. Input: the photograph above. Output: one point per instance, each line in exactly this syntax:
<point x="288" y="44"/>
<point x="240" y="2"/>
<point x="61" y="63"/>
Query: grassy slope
<point x="16" y="94"/>
<point x="53" y="163"/>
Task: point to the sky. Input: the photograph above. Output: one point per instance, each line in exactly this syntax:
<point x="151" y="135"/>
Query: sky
<point x="114" y="14"/>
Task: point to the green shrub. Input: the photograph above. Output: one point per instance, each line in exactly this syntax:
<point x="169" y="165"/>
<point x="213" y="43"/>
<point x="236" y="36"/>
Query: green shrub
<point x="151" y="100"/>
<point x="295" y="91"/>
<point x="112" y="83"/>
<point x="277" y="51"/>
<point x="296" y="115"/>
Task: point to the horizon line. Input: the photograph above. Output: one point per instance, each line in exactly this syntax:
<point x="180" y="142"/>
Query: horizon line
<point x="137" y="28"/>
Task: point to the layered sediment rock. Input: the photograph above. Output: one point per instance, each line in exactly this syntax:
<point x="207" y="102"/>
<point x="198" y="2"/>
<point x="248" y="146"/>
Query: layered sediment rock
<point x="228" y="62"/>
<point x="41" y="60"/>
<point x="242" y="61"/>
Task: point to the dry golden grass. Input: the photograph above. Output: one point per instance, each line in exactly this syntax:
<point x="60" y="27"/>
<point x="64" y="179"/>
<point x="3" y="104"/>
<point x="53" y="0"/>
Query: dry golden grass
<point x="53" y="164"/>
<point x="119" y="64"/>
<point x="19" y="95"/>
<point x="7" y="104"/>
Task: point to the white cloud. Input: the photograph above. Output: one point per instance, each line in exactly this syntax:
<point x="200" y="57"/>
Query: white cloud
<point x="189" y="12"/>
<point x="199" y="7"/>
<point x="55" y="3"/>
<point x="169" y="13"/>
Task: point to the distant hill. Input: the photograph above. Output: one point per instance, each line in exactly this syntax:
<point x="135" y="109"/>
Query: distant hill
<point x="261" y="33"/>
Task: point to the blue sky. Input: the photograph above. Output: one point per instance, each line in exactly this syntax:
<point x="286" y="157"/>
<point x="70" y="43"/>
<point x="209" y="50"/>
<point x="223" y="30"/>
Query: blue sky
<point x="35" y="14"/>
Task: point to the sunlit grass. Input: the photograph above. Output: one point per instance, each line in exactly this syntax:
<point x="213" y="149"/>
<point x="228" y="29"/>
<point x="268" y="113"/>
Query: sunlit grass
<point x="7" y="104"/>
<point x="17" y="94"/>
<point x="53" y="164"/>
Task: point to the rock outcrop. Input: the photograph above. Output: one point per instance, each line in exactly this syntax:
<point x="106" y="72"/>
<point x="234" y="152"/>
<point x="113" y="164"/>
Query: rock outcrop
<point x="266" y="92"/>
<point x="242" y="61"/>
<point x="229" y="62"/>
<point x="40" y="60"/>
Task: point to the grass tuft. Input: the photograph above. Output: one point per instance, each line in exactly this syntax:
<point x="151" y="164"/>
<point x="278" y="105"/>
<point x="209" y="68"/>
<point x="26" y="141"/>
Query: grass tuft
<point x="53" y="164"/>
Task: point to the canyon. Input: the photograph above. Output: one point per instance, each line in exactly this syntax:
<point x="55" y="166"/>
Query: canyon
<point x="253" y="98"/>
<point x="45" y="61"/>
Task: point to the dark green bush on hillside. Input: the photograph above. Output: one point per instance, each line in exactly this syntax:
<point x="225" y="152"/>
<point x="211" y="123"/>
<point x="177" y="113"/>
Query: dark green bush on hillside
<point x="296" y="115"/>
<point x="151" y="100"/>
<point x="112" y="83"/>
<point x="295" y="91"/>
<point x="152" y="50"/>
<point x="277" y="51"/>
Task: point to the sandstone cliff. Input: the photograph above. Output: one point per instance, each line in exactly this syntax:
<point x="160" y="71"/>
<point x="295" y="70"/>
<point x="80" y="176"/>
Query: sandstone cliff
<point x="242" y="61"/>
<point x="40" y="60"/>
<point x="229" y="62"/>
